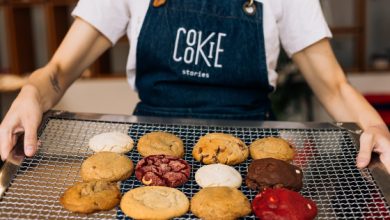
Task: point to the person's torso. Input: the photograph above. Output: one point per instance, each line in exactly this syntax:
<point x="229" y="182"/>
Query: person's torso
<point x="203" y="59"/>
<point x="271" y="13"/>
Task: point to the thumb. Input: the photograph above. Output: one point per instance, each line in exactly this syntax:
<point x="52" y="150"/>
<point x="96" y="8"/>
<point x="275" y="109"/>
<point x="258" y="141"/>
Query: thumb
<point x="385" y="158"/>
<point x="5" y="143"/>
<point x="30" y="140"/>
<point x="366" y="146"/>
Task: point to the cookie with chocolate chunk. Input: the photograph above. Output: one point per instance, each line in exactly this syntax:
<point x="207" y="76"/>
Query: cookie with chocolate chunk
<point x="273" y="173"/>
<point x="162" y="170"/>
<point x="220" y="148"/>
<point x="89" y="197"/>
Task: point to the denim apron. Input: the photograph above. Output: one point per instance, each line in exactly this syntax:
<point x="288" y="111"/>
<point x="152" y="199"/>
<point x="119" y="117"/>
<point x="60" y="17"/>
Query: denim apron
<point x="203" y="59"/>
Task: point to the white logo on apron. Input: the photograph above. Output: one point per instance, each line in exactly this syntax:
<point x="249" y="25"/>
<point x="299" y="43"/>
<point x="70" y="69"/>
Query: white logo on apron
<point x="195" y="44"/>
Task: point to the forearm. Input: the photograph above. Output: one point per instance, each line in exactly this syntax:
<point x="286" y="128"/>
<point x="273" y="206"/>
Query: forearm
<point x="347" y="105"/>
<point x="82" y="45"/>
<point x="48" y="85"/>
<point x="327" y="80"/>
<point x="79" y="49"/>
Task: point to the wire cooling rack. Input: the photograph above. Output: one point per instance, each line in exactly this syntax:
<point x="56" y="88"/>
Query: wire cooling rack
<point x="326" y="156"/>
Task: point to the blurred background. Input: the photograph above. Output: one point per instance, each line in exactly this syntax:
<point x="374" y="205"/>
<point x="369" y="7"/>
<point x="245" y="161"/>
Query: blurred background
<point x="31" y="30"/>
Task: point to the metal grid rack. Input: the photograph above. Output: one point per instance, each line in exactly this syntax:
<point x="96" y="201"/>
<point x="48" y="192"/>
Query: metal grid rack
<point x="326" y="156"/>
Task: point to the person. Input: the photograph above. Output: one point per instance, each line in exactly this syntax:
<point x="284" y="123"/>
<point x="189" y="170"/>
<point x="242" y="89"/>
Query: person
<point x="201" y="59"/>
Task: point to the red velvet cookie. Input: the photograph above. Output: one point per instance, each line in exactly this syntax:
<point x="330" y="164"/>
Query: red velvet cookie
<point x="278" y="204"/>
<point x="162" y="170"/>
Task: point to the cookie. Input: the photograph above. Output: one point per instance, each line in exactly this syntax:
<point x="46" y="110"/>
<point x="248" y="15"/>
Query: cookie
<point x="283" y="204"/>
<point x="162" y="170"/>
<point x="89" y="197"/>
<point x="272" y="147"/>
<point x="214" y="203"/>
<point x="116" y="142"/>
<point x="220" y="148"/>
<point x="154" y="202"/>
<point x="156" y="143"/>
<point x="106" y="166"/>
<point x="273" y="173"/>
<point x="218" y="175"/>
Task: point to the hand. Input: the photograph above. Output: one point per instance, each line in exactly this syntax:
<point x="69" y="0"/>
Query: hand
<point x="374" y="139"/>
<point x="25" y="115"/>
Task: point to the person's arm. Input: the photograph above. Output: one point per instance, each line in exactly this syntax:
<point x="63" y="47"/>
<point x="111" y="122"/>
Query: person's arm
<point x="328" y="82"/>
<point x="82" y="45"/>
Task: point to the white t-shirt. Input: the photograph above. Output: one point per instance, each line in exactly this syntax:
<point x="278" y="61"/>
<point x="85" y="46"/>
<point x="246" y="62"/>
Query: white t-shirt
<point x="295" y="24"/>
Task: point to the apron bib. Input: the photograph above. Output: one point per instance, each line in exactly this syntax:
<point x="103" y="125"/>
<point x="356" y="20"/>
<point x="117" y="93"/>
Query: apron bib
<point x="202" y="59"/>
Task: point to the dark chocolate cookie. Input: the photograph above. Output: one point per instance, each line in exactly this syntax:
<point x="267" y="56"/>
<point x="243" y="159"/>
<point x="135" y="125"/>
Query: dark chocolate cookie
<point x="162" y="170"/>
<point x="273" y="173"/>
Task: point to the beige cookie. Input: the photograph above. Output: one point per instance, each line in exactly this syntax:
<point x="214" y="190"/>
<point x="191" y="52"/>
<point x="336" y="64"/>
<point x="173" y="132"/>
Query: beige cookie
<point x="154" y="202"/>
<point x="107" y="166"/>
<point x="272" y="147"/>
<point x="218" y="175"/>
<point x="111" y="141"/>
<point x="89" y="197"/>
<point x="225" y="203"/>
<point x="220" y="148"/>
<point x="157" y="143"/>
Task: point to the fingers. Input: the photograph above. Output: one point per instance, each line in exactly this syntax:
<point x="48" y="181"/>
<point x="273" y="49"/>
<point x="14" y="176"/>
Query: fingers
<point x="385" y="158"/>
<point x="5" y="143"/>
<point x="366" y="146"/>
<point x="384" y="151"/>
<point x="30" y="139"/>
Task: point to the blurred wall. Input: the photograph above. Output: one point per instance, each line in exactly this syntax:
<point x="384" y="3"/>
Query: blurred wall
<point x="378" y="29"/>
<point x="3" y="49"/>
<point x="40" y="37"/>
<point x="118" y="54"/>
<point x="364" y="84"/>
<point x="110" y="96"/>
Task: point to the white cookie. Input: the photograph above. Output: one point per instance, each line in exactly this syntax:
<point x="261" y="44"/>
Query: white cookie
<point x="218" y="175"/>
<point x="116" y="142"/>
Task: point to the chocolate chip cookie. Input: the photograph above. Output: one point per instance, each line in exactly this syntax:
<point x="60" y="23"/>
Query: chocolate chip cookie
<point x="220" y="148"/>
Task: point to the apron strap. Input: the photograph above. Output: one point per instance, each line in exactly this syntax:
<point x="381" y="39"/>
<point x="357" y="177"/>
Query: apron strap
<point x="159" y="3"/>
<point x="249" y="7"/>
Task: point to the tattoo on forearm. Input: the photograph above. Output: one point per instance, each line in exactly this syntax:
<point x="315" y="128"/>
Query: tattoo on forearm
<point x="55" y="84"/>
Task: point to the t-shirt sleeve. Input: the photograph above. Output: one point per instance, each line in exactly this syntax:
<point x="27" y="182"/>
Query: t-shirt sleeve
<point x="109" y="17"/>
<point x="302" y="24"/>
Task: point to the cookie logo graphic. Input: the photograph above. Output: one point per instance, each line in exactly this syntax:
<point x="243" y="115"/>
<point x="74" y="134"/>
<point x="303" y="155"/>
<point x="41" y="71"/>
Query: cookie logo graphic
<point x="198" y="47"/>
